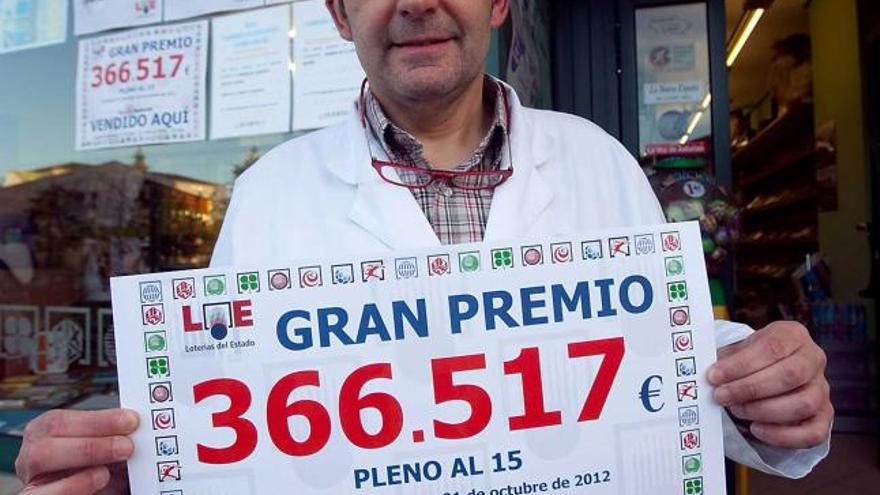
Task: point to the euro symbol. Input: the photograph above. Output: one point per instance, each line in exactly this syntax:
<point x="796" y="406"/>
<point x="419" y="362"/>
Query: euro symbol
<point x="649" y="392"/>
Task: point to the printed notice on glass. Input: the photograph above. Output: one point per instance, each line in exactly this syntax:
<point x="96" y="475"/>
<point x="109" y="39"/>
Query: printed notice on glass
<point x="144" y="86"/>
<point x="26" y="24"/>
<point x="92" y="16"/>
<point x="250" y="73"/>
<point x="571" y="365"/>
<point x="181" y="9"/>
<point x="327" y="73"/>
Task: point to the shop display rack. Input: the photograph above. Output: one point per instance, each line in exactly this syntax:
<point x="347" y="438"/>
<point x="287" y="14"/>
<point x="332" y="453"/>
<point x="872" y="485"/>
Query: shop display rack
<point x="775" y="176"/>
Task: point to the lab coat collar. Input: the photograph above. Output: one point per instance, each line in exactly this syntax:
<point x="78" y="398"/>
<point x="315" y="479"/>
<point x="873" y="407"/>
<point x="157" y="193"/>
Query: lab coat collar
<point x="392" y="214"/>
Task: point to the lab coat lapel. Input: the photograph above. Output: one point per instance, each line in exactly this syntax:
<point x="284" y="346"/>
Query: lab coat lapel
<point x="388" y="212"/>
<point x="392" y="215"/>
<point x="521" y="201"/>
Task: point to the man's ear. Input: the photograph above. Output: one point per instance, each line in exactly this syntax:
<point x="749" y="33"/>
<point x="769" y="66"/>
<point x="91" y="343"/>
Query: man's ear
<point x="500" y="10"/>
<point x="337" y="11"/>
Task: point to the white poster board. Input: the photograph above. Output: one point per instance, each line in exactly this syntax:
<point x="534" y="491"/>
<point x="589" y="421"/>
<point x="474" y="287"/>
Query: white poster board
<point x="92" y="16"/>
<point x="182" y="9"/>
<point x="573" y="365"/>
<point x="26" y="24"/>
<point x="143" y="86"/>
<point x="327" y="73"/>
<point x="250" y="73"/>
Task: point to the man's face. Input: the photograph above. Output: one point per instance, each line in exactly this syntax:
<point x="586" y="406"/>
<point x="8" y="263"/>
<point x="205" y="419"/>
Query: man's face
<point x="419" y="49"/>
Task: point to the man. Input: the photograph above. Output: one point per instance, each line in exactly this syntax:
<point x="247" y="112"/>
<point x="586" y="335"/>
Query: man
<point x="431" y="111"/>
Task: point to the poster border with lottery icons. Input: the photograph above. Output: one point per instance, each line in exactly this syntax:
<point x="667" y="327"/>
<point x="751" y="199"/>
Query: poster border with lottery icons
<point x="672" y="447"/>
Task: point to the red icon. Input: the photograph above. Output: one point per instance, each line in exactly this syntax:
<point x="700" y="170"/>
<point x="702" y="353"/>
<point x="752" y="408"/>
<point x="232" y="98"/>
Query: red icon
<point x="680" y="316"/>
<point x="439" y="265"/>
<point x="687" y="390"/>
<point x="373" y="271"/>
<point x="532" y="256"/>
<point x="690" y="440"/>
<point x="163" y="419"/>
<point x="160" y="392"/>
<point x="184" y="289"/>
<point x="561" y="253"/>
<point x="154" y="314"/>
<point x="310" y="277"/>
<point x="169" y="471"/>
<point x="671" y="241"/>
<point x="619" y="246"/>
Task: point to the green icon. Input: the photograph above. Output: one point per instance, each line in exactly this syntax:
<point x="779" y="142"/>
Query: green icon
<point x="693" y="486"/>
<point x="674" y="266"/>
<point x="502" y="258"/>
<point x="248" y="282"/>
<point x="158" y="367"/>
<point x="215" y="286"/>
<point x="155" y="341"/>
<point x="692" y="464"/>
<point x="677" y="291"/>
<point x="469" y="262"/>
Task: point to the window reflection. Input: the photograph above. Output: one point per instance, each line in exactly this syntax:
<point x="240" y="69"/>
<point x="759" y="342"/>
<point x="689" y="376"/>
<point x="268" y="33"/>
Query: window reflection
<point x="67" y="228"/>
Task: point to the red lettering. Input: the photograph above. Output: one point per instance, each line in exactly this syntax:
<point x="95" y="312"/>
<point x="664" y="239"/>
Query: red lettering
<point x="241" y="314"/>
<point x="188" y="324"/>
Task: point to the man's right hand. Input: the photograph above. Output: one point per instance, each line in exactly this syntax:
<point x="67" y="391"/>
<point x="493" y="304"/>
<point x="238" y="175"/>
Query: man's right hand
<point x="77" y="453"/>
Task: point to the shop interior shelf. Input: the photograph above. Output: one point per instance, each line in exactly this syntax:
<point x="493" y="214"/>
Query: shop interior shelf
<point x="791" y="127"/>
<point x="794" y="200"/>
<point x="797" y="243"/>
<point x="789" y="162"/>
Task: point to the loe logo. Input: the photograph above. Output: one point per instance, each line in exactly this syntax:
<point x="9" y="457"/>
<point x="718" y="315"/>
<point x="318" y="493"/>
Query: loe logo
<point x="218" y="318"/>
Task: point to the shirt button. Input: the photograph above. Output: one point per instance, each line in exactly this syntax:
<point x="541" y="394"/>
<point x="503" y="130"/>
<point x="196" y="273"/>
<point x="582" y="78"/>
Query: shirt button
<point x="446" y="191"/>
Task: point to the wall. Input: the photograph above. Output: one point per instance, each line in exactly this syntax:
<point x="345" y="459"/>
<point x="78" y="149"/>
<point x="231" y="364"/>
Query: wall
<point x="838" y="97"/>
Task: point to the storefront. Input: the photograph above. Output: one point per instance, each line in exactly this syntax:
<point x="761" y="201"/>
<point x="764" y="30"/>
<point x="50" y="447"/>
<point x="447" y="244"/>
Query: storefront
<point x="122" y="132"/>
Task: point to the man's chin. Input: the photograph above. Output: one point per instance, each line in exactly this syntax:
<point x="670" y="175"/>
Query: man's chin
<point x="427" y="83"/>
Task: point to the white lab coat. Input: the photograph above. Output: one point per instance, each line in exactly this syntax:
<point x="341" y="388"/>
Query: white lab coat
<point x="317" y="196"/>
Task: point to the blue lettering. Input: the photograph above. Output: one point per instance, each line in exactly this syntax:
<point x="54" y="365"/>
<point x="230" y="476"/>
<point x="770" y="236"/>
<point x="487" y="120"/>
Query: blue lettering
<point x="647" y="291"/>
<point x="360" y="476"/>
<point x="529" y="305"/>
<point x="304" y="333"/>
<point x="502" y="311"/>
<point x="561" y="299"/>
<point x="325" y="328"/>
<point x="419" y="324"/>
<point x="457" y="315"/>
<point x="604" y="286"/>
<point x="372" y="324"/>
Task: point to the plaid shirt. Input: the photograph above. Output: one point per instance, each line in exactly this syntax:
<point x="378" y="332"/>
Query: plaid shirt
<point x="456" y="215"/>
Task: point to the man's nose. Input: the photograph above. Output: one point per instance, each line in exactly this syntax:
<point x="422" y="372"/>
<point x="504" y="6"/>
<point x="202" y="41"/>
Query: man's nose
<point x="416" y="8"/>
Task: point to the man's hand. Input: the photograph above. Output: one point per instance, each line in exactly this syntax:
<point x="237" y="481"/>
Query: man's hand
<point x="776" y="380"/>
<point x="76" y="453"/>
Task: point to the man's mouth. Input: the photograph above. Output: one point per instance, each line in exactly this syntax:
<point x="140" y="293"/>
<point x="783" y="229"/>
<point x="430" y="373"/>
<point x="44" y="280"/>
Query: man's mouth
<point x="420" y="42"/>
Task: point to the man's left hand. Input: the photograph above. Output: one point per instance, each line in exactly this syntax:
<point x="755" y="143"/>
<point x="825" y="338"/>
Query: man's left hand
<point x="776" y="379"/>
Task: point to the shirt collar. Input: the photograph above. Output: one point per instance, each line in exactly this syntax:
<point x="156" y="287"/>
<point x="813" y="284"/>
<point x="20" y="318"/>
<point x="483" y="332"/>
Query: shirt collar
<point x="400" y="144"/>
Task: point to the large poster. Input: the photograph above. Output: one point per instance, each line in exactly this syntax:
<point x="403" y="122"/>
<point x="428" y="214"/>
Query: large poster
<point x="327" y="72"/>
<point x="675" y="115"/>
<point x="575" y="365"/>
<point x="32" y="23"/>
<point x="181" y="9"/>
<point x="92" y="16"/>
<point x="250" y="73"/>
<point x="142" y="86"/>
